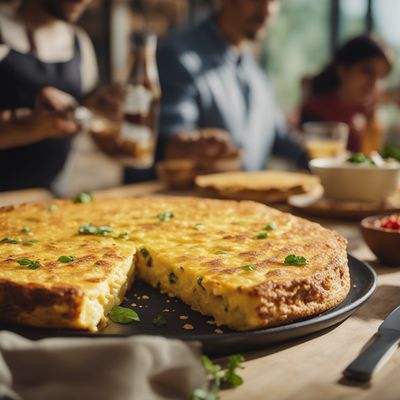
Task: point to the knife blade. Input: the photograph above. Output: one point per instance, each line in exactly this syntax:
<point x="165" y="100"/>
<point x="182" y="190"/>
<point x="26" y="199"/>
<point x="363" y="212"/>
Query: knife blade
<point x="375" y="355"/>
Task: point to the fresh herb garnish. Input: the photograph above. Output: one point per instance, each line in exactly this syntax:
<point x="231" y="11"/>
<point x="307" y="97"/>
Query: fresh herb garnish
<point x="204" y="394"/>
<point x="262" y="235"/>
<point x="219" y="378"/>
<point x="66" y="259"/>
<point x="249" y="267"/>
<point x="9" y="240"/>
<point x="144" y="252"/>
<point x="26" y="229"/>
<point x="146" y="255"/>
<point x="390" y="150"/>
<point x="159" y="320"/>
<point x="360" y="158"/>
<point x="95" y="230"/>
<point x="83" y="197"/>
<point x="87" y="230"/>
<point x="29" y="242"/>
<point x="103" y="230"/>
<point x="123" y="315"/>
<point x="172" y="278"/>
<point x="292" y="259"/>
<point x="52" y="207"/>
<point x="14" y="241"/>
<point x="200" y="281"/>
<point x="269" y="227"/>
<point x="122" y="235"/>
<point x="181" y="269"/>
<point x="165" y="216"/>
<point x="31" y="264"/>
<point x="231" y="379"/>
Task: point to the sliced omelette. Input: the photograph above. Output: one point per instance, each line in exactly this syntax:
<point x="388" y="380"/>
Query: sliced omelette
<point x="243" y="263"/>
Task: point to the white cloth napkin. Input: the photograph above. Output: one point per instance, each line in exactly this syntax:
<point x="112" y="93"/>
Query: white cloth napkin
<point x="136" y="367"/>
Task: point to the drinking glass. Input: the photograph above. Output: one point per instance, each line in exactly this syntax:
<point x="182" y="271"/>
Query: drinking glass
<point x="325" y="139"/>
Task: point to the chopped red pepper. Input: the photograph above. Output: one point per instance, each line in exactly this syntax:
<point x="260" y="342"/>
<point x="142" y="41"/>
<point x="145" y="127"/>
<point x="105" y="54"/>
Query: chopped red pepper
<point x="391" y="222"/>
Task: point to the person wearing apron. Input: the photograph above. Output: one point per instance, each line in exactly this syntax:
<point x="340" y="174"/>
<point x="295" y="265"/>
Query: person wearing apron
<point x="23" y="75"/>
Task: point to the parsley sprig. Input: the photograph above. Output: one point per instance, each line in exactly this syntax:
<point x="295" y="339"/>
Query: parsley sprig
<point x="173" y="278"/>
<point x="360" y="158"/>
<point x="29" y="242"/>
<point x="95" y="230"/>
<point x="269" y="227"/>
<point x="30" y="264"/>
<point x="66" y="259"/>
<point x="165" y="216"/>
<point x="83" y="198"/>
<point x="292" y="259"/>
<point x="52" y="207"/>
<point x="123" y="315"/>
<point x="147" y="256"/>
<point x="219" y="378"/>
<point x="249" y="267"/>
<point x="9" y="240"/>
<point x="159" y="320"/>
<point x="200" y="282"/>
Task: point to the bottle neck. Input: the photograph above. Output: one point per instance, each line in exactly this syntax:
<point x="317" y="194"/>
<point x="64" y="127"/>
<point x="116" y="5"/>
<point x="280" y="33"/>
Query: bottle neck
<point x="144" y="69"/>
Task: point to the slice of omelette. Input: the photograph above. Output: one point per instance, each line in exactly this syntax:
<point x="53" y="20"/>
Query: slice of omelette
<point x="226" y="259"/>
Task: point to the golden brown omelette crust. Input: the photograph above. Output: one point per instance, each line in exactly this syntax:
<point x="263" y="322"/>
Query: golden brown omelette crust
<point x="211" y="239"/>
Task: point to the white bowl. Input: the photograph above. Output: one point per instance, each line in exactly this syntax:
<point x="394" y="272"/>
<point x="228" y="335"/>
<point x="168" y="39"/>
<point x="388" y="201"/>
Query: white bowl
<point x="356" y="182"/>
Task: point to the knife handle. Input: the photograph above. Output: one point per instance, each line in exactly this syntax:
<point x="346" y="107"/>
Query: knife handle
<point x="372" y="358"/>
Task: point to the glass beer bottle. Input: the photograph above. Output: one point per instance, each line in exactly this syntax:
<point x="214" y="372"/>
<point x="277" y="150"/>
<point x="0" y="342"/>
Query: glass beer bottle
<point x="139" y="128"/>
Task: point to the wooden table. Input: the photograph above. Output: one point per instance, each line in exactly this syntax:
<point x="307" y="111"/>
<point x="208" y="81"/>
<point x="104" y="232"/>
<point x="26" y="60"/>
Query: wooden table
<point x="311" y="368"/>
<point x="23" y="196"/>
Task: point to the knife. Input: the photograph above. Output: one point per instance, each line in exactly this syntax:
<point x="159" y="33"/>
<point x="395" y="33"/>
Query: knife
<point x="375" y="355"/>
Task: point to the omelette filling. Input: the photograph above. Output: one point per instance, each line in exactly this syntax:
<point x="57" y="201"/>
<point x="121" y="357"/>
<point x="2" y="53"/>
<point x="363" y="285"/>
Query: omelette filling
<point x="100" y="299"/>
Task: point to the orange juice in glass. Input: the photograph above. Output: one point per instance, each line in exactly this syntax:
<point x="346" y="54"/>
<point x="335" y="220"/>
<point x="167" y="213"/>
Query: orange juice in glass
<point x="325" y="139"/>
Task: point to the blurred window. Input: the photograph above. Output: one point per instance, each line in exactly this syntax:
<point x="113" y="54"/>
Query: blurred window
<point x="297" y="45"/>
<point x="302" y="38"/>
<point x="352" y="20"/>
<point x="386" y="24"/>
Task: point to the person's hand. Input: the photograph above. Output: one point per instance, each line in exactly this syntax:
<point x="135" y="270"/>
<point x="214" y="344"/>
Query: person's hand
<point x="53" y="114"/>
<point x="52" y="99"/>
<point x="208" y="143"/>
<point x="49" y="124"/>
<point x="108" y="101"/>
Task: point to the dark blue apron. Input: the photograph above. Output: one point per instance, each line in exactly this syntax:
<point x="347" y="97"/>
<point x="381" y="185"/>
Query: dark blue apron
<point x="22" y="76"/>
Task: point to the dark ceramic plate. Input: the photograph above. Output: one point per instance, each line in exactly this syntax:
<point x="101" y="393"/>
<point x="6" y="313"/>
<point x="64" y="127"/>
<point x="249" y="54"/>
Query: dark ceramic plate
<point x="149" y="303"/>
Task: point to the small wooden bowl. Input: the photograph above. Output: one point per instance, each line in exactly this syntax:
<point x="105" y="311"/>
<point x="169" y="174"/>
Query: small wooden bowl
<point x="384" y="243"/>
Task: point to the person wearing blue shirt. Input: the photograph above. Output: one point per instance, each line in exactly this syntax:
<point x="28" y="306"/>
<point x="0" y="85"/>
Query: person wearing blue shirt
<point x="214" y="94"/>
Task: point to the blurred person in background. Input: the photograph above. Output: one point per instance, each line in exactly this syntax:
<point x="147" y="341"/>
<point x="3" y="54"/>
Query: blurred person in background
<point x="47" y="66"/>
<point x="215" y="97"/>
<point x="348" y="90"/>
